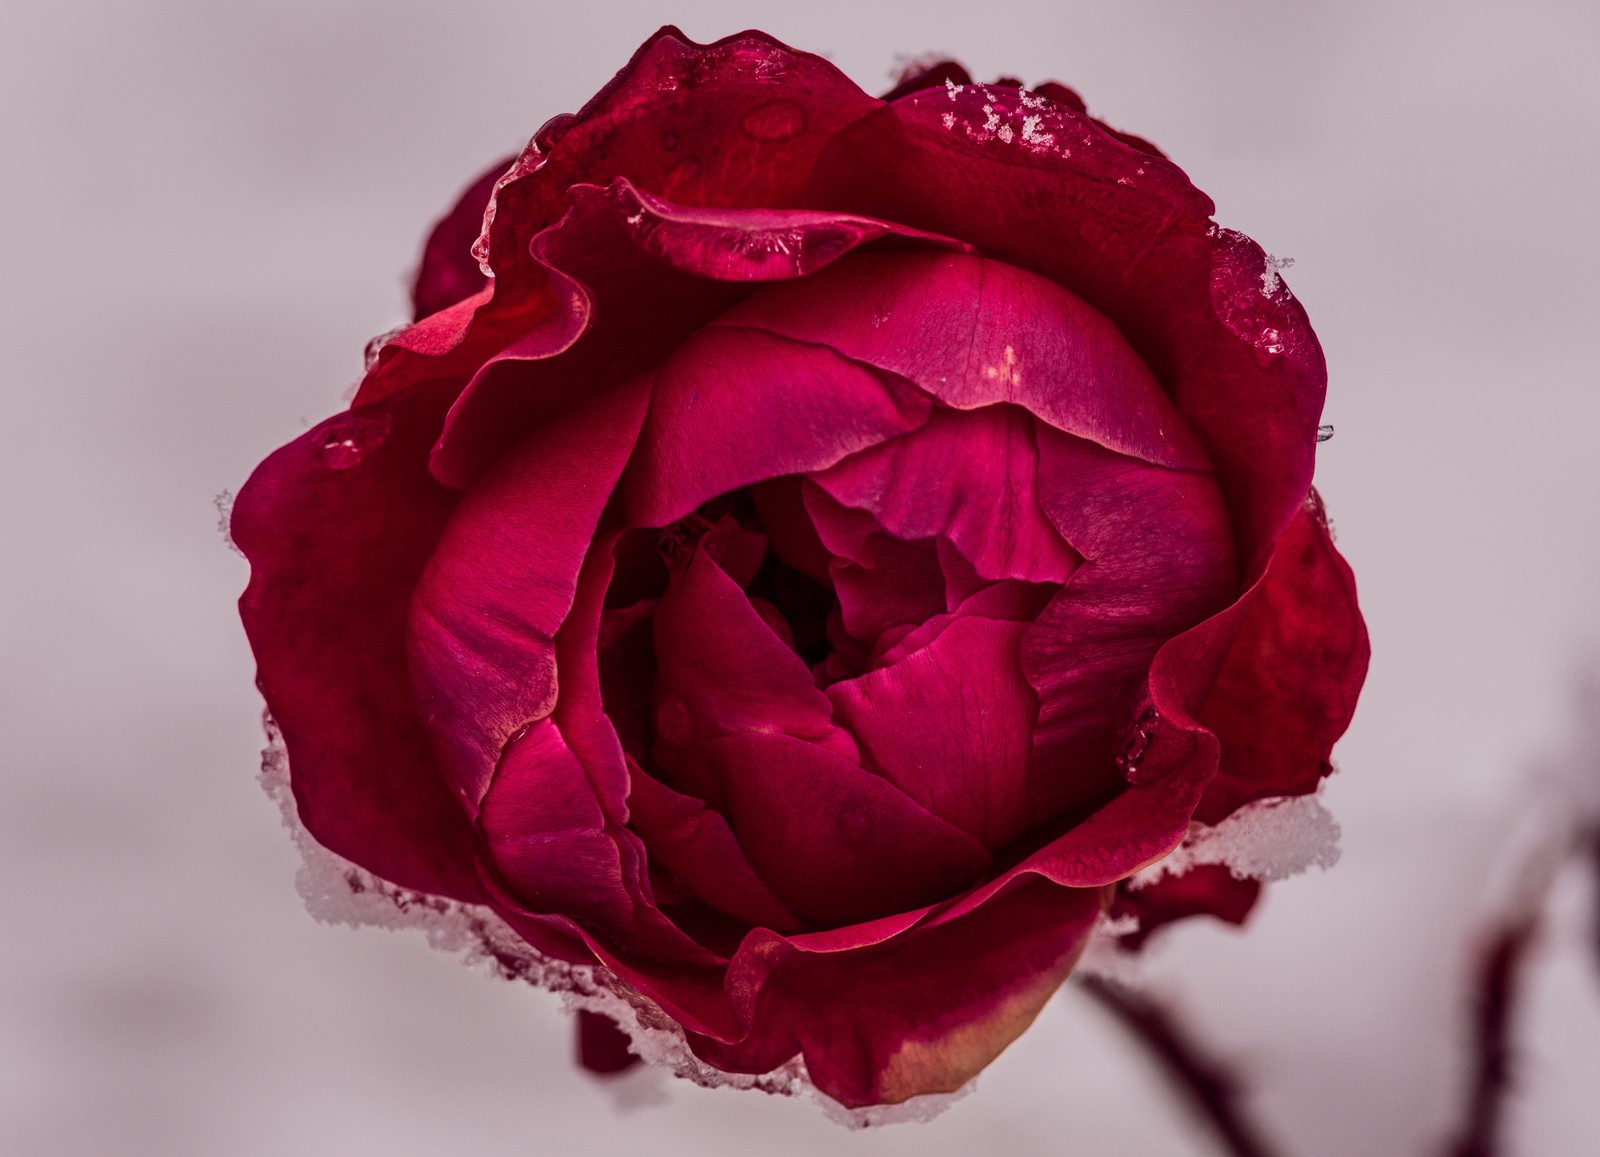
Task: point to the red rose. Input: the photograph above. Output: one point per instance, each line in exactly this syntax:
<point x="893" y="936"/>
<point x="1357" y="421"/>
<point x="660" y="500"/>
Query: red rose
<point x="842" y="541"/>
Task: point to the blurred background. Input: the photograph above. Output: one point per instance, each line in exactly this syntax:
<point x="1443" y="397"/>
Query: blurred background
<point x="207" y="210"/>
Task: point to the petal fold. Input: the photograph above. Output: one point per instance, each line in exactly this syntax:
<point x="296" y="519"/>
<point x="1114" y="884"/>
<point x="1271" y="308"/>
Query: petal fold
<point x="338" y="526"/>
<point x="502" y="580"/>
<point x="1289" y="685"/>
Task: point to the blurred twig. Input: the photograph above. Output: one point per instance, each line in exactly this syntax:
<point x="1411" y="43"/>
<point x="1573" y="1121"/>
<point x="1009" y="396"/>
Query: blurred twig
<point x="1210" y="1086"/>
<point x="1563" y="825"/>
<point x="1497" y="993"/>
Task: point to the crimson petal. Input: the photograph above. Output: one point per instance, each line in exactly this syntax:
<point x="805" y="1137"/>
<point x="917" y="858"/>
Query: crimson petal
<point x="985" y="502"/>
<point x="835" y="843"/>
<point x="734" y="124"/>
<point x="1035" y="184"/>
<point x="973" y="332"/>
<point x="337" y="526"/>
<point x="1288" y="687"/>
<point x="950" y="725"/>
<point x="733" y="407"/>
<point x="633" y="276"/>
<point x="1158" y="558"/>
<point x="922" y="1012"/>
<point x="501" y="582"/>
<point x="723" y="671"/>
<point x="696" y="845"/>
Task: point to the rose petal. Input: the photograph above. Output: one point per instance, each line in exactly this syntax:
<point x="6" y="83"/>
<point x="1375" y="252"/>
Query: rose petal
<point x="882" y="582"/>
<point x="337" y="526"/>
<point x="1127" y="233"/>
<point x="736" y="123"/>
<point x="984" y="501"/>
<point x="501" y="582"/>
<point x="835" y="843"/>
<point x="1204" y="890"/>
<point x="951" y="726"/>
<point x="1289" y="686"/>
<point x="722" y="671"/>
<point x="733" y="407"/>
<point x="973" y="332"/>
<point x="634" y="275"/>
<point x="921" y="1013"/>
<point x="697" y="846"/>
<point x="547" y="834"/>
<point x="1157" y="553"/>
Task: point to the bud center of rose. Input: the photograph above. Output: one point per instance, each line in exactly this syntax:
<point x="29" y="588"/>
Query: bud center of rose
<point x="897" y="615"/>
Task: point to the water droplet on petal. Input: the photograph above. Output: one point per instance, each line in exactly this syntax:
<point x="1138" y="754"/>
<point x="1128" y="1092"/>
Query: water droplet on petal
<point x="1135" y="744"/>
<point x="349" y="438"/>
<point x="776" y="120"/>
<point x="1324" y="433"/>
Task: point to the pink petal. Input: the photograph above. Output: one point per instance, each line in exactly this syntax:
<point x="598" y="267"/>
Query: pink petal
<point x="1289" y="685"/>
<point x="973" y="332"/>
<point x="697" y="846"/>
<point x="500" y="584"/>
<point x="951" y="726"/>
<point x="1127" y="233"/>
<point x="1157" y="553"/>
<point x="835" y="843"/>
<point x="337" y="526"/>
<point x="722" y="671"/>
<point x="733" y="407"/>
<point x="969" y="478"/>
<point x="631" y="276"/>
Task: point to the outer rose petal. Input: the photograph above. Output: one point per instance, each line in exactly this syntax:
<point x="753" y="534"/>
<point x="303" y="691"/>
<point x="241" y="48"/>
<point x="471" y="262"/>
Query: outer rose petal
<point x="634" y="275"/>
<point x="920" y="1013"/>
<point x="449" y="272"/>
<point x="501" y="582"/>
<point x="1037" y="185"/>
<point x="1289" y="685"/>
<point x="734" y="124"/>
<point x="338" y="526"/>
<point x="1204" y="890"/>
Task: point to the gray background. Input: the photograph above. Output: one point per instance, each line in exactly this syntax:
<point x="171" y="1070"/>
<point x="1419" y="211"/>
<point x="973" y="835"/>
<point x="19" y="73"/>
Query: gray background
<point x="207" y="208"/>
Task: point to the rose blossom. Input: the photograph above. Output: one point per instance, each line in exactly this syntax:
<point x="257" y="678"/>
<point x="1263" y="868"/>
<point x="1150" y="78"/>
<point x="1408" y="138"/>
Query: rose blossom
<point x="842" y="542"/>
